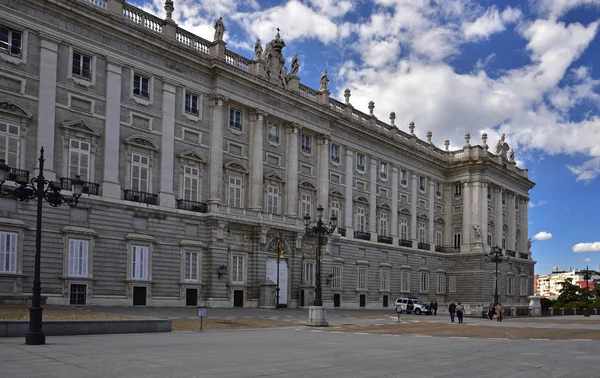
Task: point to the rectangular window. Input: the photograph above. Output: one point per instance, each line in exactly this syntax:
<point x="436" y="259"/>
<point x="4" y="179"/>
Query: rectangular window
<point x="422" y="184"/>
<point x="439" y="236"/>
<point x="457" y="210"/>
<point x="405" y="284"/>
<point x="139" y="262"/>
<point x="383" y="171"/>
<point x="523" y="286"/>
<point x="383" y="193"/>
<point x="361" y="223"/>
<point x="306" y="143"/>
<point x="272" y="199"/>
<point x="11" y="41"/>
<point x="503" y="198"/>
<point x="272" y="132"/>
<point x="336" y="281"/>
<point x="490" y="236"/>
<point x="360" y="162"/>
<point x="403" y="198"/>
<point x="191" y="183"/>
<point x="441" y="283"/>
<point x="308" y="277"/>
<point x="489" y="193"/>
<point x="335" y="211"/>
<point x="305" y="205"/>
<point x="77" y="263"/>
<point x="8" y="252"/>
<point x="457" y="190"/>
<point x="424" y="282"/>
<point x="403" y="229"/>
<point x="238" y="272"/>
<point x="457" y="237"/>
<point x="191" y="103"/>
<point x="422" y="232"/>
<point x="140" y="172"/>
<point x="141" y="86"/>
<point x="234" y="198"/>
<point x="79" y="159"/>
<point x="503" y="239"/>
<point x="191" y="267"/>
<point x="10" y="144"/>
<point x="81" y="66"/>
<point x="422" y="204"/>
<point x="438" y="190"/>
<point x="334" y="151"/>
<point x="235" y="119"/>
<point x="385" y="280"/>
<point x="383" y="224"/>
<point x="510" y="286"/>
<point x="361" y="275"/>
<point x="403" y="177"/>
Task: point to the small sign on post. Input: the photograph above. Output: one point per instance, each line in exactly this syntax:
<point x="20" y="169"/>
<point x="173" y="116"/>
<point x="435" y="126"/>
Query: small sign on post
<point x="201" y="314"/>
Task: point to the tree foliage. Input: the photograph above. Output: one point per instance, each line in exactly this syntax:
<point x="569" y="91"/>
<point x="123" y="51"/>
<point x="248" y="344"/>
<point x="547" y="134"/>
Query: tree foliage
<point x="569" y="292"/>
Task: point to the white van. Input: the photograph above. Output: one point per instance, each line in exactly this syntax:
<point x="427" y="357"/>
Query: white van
<point x="410" y="305"/>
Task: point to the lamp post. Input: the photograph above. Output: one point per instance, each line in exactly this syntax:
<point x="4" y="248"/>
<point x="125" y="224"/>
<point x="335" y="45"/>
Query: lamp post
<point x="319" y="229"/>
<point x="496" y="257"/>
<point x="586" y="277"/>
<point x="40" y="189"/>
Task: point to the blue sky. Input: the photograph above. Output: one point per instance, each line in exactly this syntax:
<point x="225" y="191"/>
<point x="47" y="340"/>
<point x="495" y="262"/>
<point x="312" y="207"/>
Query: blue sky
<point x="529" y="69"/>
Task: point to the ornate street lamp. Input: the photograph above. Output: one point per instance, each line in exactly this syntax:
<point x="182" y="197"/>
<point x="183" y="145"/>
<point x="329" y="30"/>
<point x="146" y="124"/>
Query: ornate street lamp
<point x="496" y="257"/>
<point x="40" y="189"/>
<point x="586" y="277"/>
<point x="319" y="229"/>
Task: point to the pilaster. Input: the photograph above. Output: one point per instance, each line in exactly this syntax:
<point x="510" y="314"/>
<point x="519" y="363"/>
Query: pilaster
<point x="256" y="160"/>
<point x="413" y="208"/>
<point x="349" y="185"/>
<point x="217" y="121"/>
<point x="511" y="238"/>
<point x="394" y="214"/>
<point x="166" y="197"/>
<point x="484" y="215"/>
<point x="373" y="199"/>
<point x="112" y="123"/>
<point x="448" y="198"/>
<point x="291" y="186"/>
<point x="524" y="208"/>
<point x="323" y="166"/>
<point x="466" y="217"/>
<point x="47" y="104"/>
<point x="476" y="219"/>
<point x="498" y="221"/>
<point x="431" y="215"/>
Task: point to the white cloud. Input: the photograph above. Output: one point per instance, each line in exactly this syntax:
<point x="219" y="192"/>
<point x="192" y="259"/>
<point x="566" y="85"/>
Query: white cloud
<point x="587" y="171"/>
<point x="556" y="8"/>
<point x="540" y="203"/>
<point x="491" y="22"/>
<point x="332" y="8"/>
<point x="587" y="247"/>
<point x="543" y="235"/>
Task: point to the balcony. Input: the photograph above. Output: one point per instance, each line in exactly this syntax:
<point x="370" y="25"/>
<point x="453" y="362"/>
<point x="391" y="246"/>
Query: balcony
<point x="442" y="249"/>
<point x="385" y="239"/>
<point x="405" y="243"/>
<point x="88" y="187"/>
<point x="142" y="197"/>
<point x="511" y="253"/>
<point x="342" y="231"/>
<point x="199" y="207"/>
<point x="524" y="256"/>
<point x="362" y="235"/>
<point x="424" y="246"/>
<point x="19" y="176"/>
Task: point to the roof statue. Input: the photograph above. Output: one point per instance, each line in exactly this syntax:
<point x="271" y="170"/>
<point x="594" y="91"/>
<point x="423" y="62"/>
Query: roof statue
<point x="219" y="29"/>
<point x="324" y="81"/>
<point x="275" y="61"/>
<point x="295" y="65"/>
<point x="258" y="50"/>
<point x="511" y="156"/>
<point x="502" y="147"/>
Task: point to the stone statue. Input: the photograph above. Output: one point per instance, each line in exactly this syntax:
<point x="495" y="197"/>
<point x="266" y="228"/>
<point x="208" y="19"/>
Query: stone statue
<point x="477" y="232"/>
<point x="502" y="147"/>
<point x="257" y="49"/>
<point x="511" y="157"/>
<point x="219" y="29"/>
<point x="324" y="81"/>
<point x="529" y="245"/>
<point x="295" y="65"/>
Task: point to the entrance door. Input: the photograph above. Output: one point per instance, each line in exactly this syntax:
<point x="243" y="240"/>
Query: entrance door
<point x="78" y="294"/>
<point x="385" y="301"/>
<point x="301" y="298"/>
<point x="337" y="299"/>
<point x="139" y="295"/>
<point x="238" y="298"/>
<point x="363" y="300"/>
<point x="283" y="277"/>
<point x="191" y="297"/>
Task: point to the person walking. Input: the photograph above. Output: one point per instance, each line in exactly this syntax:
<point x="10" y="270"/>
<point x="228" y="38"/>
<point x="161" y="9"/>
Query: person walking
<point x="452" y="310"/>
<point x="434" y="305"/>
<point x="460" y="310"/>
<point x="491" y="311"/>
<point x="499" y="310"/>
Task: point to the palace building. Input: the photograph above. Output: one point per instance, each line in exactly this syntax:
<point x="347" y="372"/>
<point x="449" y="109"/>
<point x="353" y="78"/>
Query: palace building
<point x="199" y="165"/>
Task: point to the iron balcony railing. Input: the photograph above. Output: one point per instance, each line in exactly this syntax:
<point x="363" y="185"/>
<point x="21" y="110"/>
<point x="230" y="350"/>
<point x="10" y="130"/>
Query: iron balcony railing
<point x="385" y="239"/>
<point x="88" y="187"/>
<point x="20" y="176"/>
<point x="142" y="197"/>
<point x="199" y="207"/>
<point x="405" y="243"/>
<point x="424" y="246"/>
<point x="511" y="253"/>
<point x="362" y="235"/>
<point x="523" y="256"/>
<point x="342" y="231"/>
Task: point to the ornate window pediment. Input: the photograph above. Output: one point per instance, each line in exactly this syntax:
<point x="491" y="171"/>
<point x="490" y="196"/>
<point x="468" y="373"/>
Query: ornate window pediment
<point x="439" y="220"/>
<point x="422" y="216"/>
<point x="404" y="210"/>
<point x="383" y="204"/>
<point x="141" y="141"/>
<point x="193" y="155"/>
<point x="80" y="126"/>
<point x="10" y="107"/>
<point x="308" y="185"/>
<point x="336" y="193"/>
<point x="235" y="166"/>
<point x="361" y="199"/>
<point x="274" y="176"/>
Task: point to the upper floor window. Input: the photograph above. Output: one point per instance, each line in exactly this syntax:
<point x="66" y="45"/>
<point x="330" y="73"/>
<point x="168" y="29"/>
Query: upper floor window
<point x="306" y="143"/>
<point x="439" y="236"/>
<point x="79" y="159"/>
<point x="77" y="265"/>
<point x="235" y="119"/>
<point x="9" y="144"/>
<point x="336" y="281"/>
<point x="8" y="252"/>
<point x="234" y="198"/>
<point x="424" y="282"/>
<point x="82" y="66"/>
<point x="191" y="267"/>
<point x="140" y="172"/>
<point x="272" y="199"/>
<point x="422" y="232"/>
<point x="361" y="220"/>
<point x="305" y="204"/>
<point x="361" y="278"/>
<point x="139" y="262"/>
<point x="404" y="229"/>
<point x="438" y="189"/>
<point x="489" y="193"/>
<point x="360" y="162"/>
<point x="383" y="170"/>
<point x="422" y="184"/>
<point x="490" y="236"/>
<point x="11" y="41"/>
<point x="503" y="198"/>
<point x="384" y="280"/>
<point x="334" y="207"/>
<point x="309" y="273"/>
<point x="238" y="271"/>
<point x="334" y="151"/>
<point x="191" y="183"/>
<point x="273" y="132"/>
<point x="457" y="237"/>
<point x="191" y="103"/>
<point x="141" y="86"/>
<point x="383" y="224"/>
<point x="403" y="177"/>
<point x="457" y="190"/>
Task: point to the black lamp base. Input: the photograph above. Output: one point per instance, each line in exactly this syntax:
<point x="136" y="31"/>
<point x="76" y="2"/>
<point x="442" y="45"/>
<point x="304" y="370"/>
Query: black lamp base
<point x="35" y="338"/>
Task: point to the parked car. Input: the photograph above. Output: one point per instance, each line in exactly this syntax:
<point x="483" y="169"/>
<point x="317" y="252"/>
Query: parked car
<point x="412" y="305"/>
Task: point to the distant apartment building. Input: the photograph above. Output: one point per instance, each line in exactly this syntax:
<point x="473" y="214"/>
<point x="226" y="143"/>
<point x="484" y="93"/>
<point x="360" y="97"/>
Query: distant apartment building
<point x="549" y="285"/>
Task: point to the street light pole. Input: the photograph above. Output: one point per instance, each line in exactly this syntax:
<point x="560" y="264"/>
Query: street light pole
<point x="586" y="277"/>
<point x="40" y="189"/>
<point x="319" y="229"/>
<point x="496" y="257"/>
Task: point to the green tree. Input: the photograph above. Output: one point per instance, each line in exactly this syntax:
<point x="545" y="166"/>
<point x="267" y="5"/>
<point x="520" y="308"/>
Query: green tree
<point x="568" y="293"/>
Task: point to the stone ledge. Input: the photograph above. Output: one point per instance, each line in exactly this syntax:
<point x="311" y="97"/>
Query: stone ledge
<point x="19" y="328"/>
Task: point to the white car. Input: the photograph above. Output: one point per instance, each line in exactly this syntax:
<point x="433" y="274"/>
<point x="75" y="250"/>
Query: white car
<point x="412" y="305"/>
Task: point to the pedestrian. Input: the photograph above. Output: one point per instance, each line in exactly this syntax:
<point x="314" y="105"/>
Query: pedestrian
<point x="460" y="310"/>
<point x="452" y="310"/>
<point x="434" y="304"/>
<point x="499" y="310"/>
<point x="491" y="311"/>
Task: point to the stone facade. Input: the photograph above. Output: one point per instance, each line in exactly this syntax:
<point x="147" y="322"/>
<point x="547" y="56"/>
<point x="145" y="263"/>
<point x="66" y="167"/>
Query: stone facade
<point x="196" y="159"/>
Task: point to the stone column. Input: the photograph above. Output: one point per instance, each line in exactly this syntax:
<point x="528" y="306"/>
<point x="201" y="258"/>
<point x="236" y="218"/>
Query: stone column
<point x="448" y="231"/>
<point x="413" y="209"/>
<point x="394" y="214"/>
<point x="47" y="105"/>
<point x="524" y="207"/>
<point x="323" y="176"/>
<point x="476" y="203"/>
<point x="498" y="218"/>
<point x="166" y="196"/>
<point x="291" y="185"/>
<point x="217" y="121"/>
<point x="112" y="126"/>
<point x="466" y="217"/>
<point x="349" y="199"/>
<point x="373" y="200"/>
<point x="511" y="238"/>
<point x="431" y="215"/>
<point x="256" y="160"/>
<point x="484" y="215"/>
